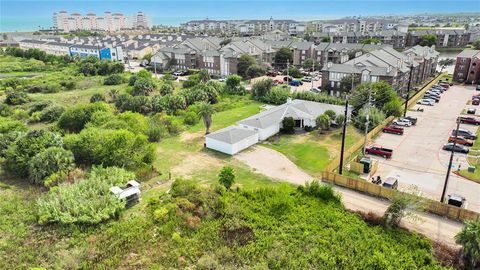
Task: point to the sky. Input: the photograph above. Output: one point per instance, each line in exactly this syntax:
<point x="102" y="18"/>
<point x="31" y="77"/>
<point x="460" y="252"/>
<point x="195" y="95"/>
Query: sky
<point x="27" y="13"/>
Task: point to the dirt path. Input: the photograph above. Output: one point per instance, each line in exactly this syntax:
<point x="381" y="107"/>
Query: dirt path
<point x="275" y="165"/>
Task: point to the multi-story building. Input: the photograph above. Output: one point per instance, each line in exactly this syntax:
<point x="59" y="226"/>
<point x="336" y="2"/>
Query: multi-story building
<point x="385" y="64"/>
<point x="110" y="22"/>
<point x="445" y="38"/>
<point x="467" y="67"/>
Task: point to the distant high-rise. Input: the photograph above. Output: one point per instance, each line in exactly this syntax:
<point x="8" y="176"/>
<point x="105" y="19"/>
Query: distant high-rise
<point x="110" y="22"/>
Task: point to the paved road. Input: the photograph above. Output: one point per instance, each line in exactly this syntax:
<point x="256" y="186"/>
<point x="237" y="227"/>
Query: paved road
<point x="418" y="158"/>
<point x="432" y="226"/>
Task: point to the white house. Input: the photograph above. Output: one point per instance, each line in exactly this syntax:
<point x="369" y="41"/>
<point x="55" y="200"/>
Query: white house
<point x="259" y="127"/>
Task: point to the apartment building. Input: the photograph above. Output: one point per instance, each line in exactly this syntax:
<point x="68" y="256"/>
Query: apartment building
<point x="245" y="27"/>
<point x="467" y="67"/>
<point x="385" y="64"/>
<point x="355" y="25"/>
<point x="109" y="22"/>
<point x="445" y="38"/>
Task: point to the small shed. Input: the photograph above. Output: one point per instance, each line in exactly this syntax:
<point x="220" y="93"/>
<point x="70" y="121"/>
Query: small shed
<point x="130" y="193"/>
<point x="231" y="140"/>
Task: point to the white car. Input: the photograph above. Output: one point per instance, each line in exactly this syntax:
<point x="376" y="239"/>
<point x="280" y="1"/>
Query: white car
<point x="424" y="101"/>
<point x="402" y="122"/>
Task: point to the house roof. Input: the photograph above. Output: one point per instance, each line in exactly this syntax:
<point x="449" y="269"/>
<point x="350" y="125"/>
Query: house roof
<point x="469" y="53"/>
<point x="231" y="134"/>
<point x="296" y="108"/>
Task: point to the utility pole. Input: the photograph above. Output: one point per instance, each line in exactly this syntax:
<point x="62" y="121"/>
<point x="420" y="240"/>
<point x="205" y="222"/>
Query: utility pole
<point x="450" y="162"/>
<point x="340" y="170"/>
<point x="408" y="90"/>
<point x="368" y="120"/>
<point x="288" y="67"/>
<point x="313" y="69"/>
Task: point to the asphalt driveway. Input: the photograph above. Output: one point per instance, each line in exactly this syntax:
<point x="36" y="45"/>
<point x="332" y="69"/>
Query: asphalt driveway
<point x="418" y="158"/>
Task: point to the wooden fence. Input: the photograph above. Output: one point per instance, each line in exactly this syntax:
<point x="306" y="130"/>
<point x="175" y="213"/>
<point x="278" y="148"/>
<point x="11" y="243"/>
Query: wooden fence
<point x="432" y="206"/>
<point x="442" y="209"/>
<point x="333" y="165"/>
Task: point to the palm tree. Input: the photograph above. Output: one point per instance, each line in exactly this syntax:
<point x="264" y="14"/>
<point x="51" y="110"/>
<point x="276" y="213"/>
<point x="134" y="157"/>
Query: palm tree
<point x="469" y="238"/>
<point x="203" y="75"/>
<point x="205" y="110"/>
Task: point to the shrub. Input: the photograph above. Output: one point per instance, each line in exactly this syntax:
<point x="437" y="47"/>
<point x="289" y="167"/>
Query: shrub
<point x="294" y="72"/>
<point x="320" y="191"/>
<point x="5" y="110"/>
<point x="191" y="81"/>
<point x="261" y="88"/>
<point x="156" y="132"/>
<point x="323" y="121"/>
<point x="143" y="87"/>
<point x="277" y="96"/>
<point x="190" y="118"/>
<point x="114" y="79"/>
<point x="132" y="80"/>
<point x="120" y="148"/>
<point x="255" y="71"/>
<point x="19" y="154"/>
<point x="68" y="85"/>
<point x="288" y="125"/>
<point x="86" y="201"/>
<point x="49" y="161"/>
<point x="469" y="238"/>
<point x="375" y="118"/>
<point x="226" y="177"/>
<point x="51" y="113"/>
<point x="331" y="114"/>
<point x="233" y="85"/>
<point x="172" y="123"/>
<point x="75" y="118"/>
<point x="166" y="89"/>
<point x="16" y="98"/>
<point x="97" y="98"/>
<point x="340" y="119"/>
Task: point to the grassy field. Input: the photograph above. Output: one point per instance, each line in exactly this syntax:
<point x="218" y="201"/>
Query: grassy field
<point x="313" y="151"/>
<point x="474" y="151"/>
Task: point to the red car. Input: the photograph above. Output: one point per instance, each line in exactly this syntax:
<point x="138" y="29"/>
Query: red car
<point x="460" y="140"/>
<point x="469" y="120"/>
<point x="379" y="151"/>
<point x="393" y="130"/>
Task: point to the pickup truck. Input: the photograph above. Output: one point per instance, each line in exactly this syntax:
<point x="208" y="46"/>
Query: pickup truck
<point x="393" y="130"/>
<point x="469" y="120"/>
<point x="379" y="151"/>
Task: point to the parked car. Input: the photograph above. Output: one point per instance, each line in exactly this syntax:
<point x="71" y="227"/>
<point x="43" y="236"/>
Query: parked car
<point x="438" y="86"/>
<point x="295" y="83"/>
<point x="287" y="78"/>
<point x="276" y="82"/>
<point x="469" y="120"/>
<point x="444" y="84"/>
<point x="476" y="102"/>
<point x="432" y="93"/>
<point x="180" y="73"/>
<point x="458" y="148"/>
<point x="402" y="122"/>
<point x="379" y="151"/>
<point x="271" y="73"/>
<point x="478" y="87"/>
<point x="471" y="110"/>
<point x="390" y="182"/>
<point x="412" y="119"/>
<point x="307" y="79"/>
<point x="435" y="90"/>
<point x="315" y="90"/>
<point x="465" y="133"/>
<point x="393" y="130"/>
<point x="432" y="97"/>
<point x="457" y="200"/>
<point x="460" y="140"/>
<point x="427" y="102"/>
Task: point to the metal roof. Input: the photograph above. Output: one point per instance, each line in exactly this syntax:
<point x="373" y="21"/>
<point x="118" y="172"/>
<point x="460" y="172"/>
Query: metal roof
<point x="231" y="134"/>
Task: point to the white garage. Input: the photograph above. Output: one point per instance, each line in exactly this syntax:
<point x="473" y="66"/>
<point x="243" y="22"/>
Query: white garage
<point x="231" y="140"/>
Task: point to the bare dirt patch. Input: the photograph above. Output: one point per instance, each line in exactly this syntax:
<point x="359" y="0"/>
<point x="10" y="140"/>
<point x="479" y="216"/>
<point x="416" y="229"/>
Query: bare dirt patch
<point x="196" y="162"/>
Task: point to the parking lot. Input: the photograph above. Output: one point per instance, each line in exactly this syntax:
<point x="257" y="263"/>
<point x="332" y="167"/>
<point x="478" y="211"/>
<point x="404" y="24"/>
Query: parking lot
<point x="305" y="87"/>
<point x="418" y="158"/>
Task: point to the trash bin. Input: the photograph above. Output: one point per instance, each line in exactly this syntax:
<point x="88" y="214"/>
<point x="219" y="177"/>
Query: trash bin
<point x="367" y="164"/>
<point x="471" y="169"/>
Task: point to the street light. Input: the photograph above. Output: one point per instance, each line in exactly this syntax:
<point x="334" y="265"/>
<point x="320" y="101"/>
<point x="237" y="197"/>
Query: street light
<point x="450" y="162"/>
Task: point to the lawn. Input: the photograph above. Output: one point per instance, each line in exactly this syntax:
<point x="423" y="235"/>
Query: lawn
<point x="313" y="151"/>
<point x="474" y="151"/>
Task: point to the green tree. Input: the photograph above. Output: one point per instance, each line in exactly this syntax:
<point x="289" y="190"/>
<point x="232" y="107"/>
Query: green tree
<point x="384" y="97"/>
<point x="49" y="161"/>
<point x="294" y="72"/>
<point x="331" y="114"/>
<point x="288" y="125"/>
<point x="76" y="117"/>
<point x="166" y="88"/>
<point x="255" y="71"/>
<point x="282" y="57"/>
<point x="233" y="85"/>
<point x="309" y="63"/>
<point x="147" y="56"/>
<point x="244" y="62"/>
<point x="346" y="82"/>
<point x="261" y="88"/>
<point x="445" y="63"/>
<point x="204" y="75"/>
<point x="375" y="118"/>
<point x="476" y="44"/>
<point x="427" y="40"/>
<point x="226" y="177"/>
<point x="114" y="79"/>
<point x="323" y="121"/>
<point x="19" y="154"/>
<point x="206" y="110"/>
<point x="326" y="39"/>
<point x="143" y="87"/>
<point x="469" y="239"/>
<point x="404" y="204"/>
